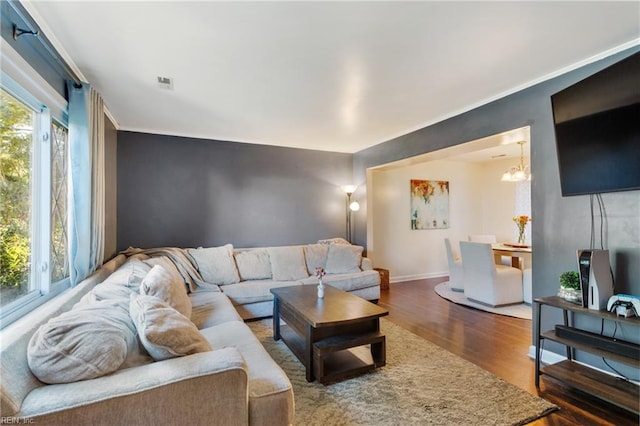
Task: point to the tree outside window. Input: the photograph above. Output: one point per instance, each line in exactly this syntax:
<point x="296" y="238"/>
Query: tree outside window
<point x="16" y="136"/>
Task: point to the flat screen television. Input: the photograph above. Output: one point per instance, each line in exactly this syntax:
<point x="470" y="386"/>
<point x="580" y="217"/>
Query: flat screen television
<point x="597" y="128"/>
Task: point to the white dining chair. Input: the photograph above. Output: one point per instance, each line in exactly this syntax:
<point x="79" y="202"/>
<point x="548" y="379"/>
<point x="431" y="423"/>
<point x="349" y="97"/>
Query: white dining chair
<point x="456" y="274"/>
<point x="486" y="282"/>
<point x="491" y="239"/>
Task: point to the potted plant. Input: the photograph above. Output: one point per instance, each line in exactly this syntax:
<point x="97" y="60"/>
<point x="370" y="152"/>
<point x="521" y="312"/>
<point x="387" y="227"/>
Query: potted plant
<point x="570" y="287"/>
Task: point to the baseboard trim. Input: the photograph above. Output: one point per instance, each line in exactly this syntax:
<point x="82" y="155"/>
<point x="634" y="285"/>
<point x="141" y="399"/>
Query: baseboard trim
<point x="547" y="357"/>
<point x="403" y="278"/>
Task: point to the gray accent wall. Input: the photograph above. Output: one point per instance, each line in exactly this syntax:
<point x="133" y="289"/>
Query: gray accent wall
<point x="560" y="225"/>
<point x="185" y="192"/>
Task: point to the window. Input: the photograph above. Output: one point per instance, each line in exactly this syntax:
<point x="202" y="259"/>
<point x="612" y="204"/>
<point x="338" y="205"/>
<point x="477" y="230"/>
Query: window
<point x="59" y="161"/>
<point x="33" y="203"/>
<point x="16" y="127"/>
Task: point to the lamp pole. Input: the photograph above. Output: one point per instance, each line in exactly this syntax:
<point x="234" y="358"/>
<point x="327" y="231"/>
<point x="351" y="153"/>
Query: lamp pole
<point x="349" y="190"/>
<point x="348" y="217"/>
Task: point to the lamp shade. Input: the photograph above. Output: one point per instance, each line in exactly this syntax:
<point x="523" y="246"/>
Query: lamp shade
<point x="349" y="189"/>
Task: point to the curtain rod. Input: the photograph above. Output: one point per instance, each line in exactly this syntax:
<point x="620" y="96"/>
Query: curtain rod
<point x="42" y="38"/>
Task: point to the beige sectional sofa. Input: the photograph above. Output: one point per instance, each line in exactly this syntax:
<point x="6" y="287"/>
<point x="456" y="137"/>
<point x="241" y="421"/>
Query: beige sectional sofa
<point x="222" y="376"/>
<point x="261" y="269"/>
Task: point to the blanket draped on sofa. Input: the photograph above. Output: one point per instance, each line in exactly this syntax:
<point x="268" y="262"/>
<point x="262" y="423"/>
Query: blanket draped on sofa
<point x="181" y="258"/>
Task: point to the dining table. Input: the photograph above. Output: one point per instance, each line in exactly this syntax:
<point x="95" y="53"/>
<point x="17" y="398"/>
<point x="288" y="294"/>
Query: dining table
<point x="520" y="254"/>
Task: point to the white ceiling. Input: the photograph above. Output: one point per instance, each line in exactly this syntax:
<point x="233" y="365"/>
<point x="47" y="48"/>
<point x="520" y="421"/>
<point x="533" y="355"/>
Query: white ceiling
<point x="337" y="76"/>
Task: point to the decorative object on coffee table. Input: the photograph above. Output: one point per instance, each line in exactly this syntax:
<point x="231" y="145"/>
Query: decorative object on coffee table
<point x="320" y="273"/>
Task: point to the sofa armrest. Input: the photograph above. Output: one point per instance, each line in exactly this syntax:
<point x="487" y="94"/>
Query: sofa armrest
<point x="366" y="264"/>
<point x="210" y="385"/>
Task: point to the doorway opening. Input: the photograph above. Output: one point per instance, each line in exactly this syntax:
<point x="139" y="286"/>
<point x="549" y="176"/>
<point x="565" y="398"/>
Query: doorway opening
<point x="479" y="202"/>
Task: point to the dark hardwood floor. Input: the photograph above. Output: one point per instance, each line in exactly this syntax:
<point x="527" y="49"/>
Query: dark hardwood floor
<point x="497" y="343"/>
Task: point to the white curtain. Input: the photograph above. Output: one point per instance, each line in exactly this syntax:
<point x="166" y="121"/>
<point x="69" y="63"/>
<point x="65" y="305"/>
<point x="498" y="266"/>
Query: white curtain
<point x="86" y="181"/>
<point x="96" y="131"/>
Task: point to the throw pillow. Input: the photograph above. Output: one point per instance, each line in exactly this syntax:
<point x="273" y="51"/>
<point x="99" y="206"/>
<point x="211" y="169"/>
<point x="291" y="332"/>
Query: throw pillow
<point x="316" y="255"/>
<point x="120" y="284"/>
<point x="86" y="342"/>
<point x="337" y="240"/>
<point x="161" y="283"/>
<point x="164" y="332"/>
<point x="287" y="263"/>
<point x="343" y="259"/>
<point x="216" y="264"/>
<point x="253" y="265"/>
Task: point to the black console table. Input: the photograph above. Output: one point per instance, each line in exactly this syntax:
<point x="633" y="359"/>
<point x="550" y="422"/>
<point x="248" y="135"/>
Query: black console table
<point x="604" y="386"/>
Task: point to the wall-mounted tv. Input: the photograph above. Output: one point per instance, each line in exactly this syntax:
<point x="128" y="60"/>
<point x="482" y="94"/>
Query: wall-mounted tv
<point x="597" y="127"/>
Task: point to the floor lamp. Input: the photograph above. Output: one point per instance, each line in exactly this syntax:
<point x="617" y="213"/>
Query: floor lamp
<point x="351" y="207"/>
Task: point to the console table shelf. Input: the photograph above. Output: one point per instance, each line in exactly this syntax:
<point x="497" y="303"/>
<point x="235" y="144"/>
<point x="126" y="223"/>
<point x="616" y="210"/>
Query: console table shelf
<point x="604" y="386"/>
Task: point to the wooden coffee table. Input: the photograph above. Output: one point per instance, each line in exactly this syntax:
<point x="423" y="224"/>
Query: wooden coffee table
<point x="335" y="338"/>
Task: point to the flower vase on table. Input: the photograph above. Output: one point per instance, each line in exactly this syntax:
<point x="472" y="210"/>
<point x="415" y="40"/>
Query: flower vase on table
<point x="521" y="222"/>
<point x="320" y="273"/>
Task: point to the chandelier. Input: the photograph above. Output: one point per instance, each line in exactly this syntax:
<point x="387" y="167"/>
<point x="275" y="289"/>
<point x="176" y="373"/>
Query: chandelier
<point x="517" y="173"/>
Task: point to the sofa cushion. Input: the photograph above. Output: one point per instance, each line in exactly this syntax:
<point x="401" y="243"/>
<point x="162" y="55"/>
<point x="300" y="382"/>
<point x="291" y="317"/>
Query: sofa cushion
<point x="270" y="390"/>
<point x="88" y="341"/>
<point x="164" y="332"/>
<point x="287" y="263"/>
<point x="211" y="308"/>
<point x="253" y="264"/>
<point x="337" y="240"/>
<point x="163" y="284"/>
<point x="131" y="273"/>
<point x="170" y="266"/>
<point x="121" y="283"/>
<point x="316" y="256"/>
<point x="348" y="282"/>
<point x="216" y="264"/>
<point x="254" y="291"/>
<point x="343" y="259"/>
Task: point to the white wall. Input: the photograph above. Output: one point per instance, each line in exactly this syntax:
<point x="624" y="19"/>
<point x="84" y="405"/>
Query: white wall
<point x="478" y="204"/>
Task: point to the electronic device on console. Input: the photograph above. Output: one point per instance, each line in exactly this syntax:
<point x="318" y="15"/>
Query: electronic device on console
<point x="624" y="305"/>
<point x="596" y="280"/>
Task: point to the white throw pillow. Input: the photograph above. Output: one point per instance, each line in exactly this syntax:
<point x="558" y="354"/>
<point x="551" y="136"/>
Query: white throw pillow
<point x="164" y="332"/>
<point x="287" y="263"/>
<point x="337" y="240"/>
<point x="253" y="265"/>
<point x="120" y="284"/>
<point x="160" y="282"/>
<point x="343" y="259"/>
<point x="316" y="256"/>
<point x="86" y="342"/>
<point x="216" y="264"/>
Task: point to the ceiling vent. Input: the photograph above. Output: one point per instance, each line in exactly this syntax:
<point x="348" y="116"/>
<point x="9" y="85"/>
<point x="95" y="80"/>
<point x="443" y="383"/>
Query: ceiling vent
<point x="165" y="82"/>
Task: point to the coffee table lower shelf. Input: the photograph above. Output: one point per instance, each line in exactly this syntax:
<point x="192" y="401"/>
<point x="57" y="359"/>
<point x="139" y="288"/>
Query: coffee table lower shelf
<point x="341" y="357"/>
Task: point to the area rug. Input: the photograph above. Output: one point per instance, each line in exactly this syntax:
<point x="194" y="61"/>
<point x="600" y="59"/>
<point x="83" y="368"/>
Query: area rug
<point x="421" y="384"/>
<point x="519" y="311"/>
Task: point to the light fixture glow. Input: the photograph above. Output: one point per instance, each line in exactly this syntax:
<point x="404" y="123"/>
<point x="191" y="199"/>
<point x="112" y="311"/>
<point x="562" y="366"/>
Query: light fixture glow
<point x="517" y="173"/>
<point x="349" y="189"/>
<point x="355" y="206"/>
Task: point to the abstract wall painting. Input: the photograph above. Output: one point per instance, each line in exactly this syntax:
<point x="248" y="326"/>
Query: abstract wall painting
<point x="429" y="204"/>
